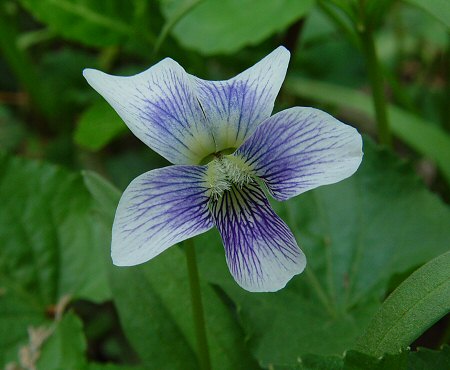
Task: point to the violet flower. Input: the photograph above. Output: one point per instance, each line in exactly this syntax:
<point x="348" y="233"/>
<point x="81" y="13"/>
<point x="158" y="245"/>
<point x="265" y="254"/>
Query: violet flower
<point x="225" y="147"/>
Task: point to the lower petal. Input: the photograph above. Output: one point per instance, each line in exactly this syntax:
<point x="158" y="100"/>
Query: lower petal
<point x="261" y="251"/>
<point x="159" y="209"/>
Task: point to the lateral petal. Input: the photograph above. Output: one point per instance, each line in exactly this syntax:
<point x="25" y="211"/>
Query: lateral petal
<point x="300" y="149"/>
<point x="157" y="210"/>
<point x="161" y="108"/>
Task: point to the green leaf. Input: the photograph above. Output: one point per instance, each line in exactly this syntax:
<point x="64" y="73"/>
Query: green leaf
<point x="50" y="246"/>
<point x="98" y="125"/>
<point x="225" y="26"/>
<point x="313" y="362"/>
<point x="95" y="23"/>
<point x="425" y="358"/>
<point x="358" y="361"/>
<point x="96" y="366"/>
<point x="420" y="301"/>
<point x="12" y="131"/>
<point x="147" y="322"/>
<point x="18" y="311"/>
<point x="47" y="234"/>
<point x="61" y="69"/>
<point x="440" y="9"/>
<point x="177" y="11"/>
<point x="376" y="11"/>
<point x="423" y="136"/>
<point x="422" y="359"/>
<point x="356" y="234"/>
<point x="154" y="306"/>
<point x="66" y="346"/>
<point x="105" y="195"/>
<point x="22" y="66"/>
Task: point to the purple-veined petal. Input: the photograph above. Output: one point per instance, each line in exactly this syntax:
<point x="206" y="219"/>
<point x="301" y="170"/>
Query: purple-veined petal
<point x="160" y="107"/>
<point x="300" y="149"/>
<point x="261" y="251"/>
<point x="237" y="106"/>
<point x="159" y="209"/>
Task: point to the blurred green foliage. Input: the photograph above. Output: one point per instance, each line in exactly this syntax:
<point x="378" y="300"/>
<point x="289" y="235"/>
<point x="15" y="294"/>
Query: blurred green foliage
<point x="63" y="305"/>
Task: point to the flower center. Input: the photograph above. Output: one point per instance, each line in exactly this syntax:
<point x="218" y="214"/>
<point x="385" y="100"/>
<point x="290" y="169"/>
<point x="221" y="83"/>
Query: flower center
<point x="224" y="171"/>
<point x="213" y="156"/>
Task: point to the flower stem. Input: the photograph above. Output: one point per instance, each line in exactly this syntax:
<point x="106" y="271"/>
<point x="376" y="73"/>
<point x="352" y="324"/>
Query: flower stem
<point x="197" y="306"/>
<point x="375" y="77"/>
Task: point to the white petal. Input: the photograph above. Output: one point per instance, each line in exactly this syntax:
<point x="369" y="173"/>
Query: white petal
<point x="237" y="106"/>
<point x="160" y="107"/>
<point x="261" y="251"/>
<point x="300" y="149"/>
<point x="159" y="209"/>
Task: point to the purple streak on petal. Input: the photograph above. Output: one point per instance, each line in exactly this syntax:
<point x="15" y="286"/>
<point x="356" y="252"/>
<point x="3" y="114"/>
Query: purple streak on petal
<point x="299" y="149"/>
<point x="160" y="106"/>
<point x="158" y="209"/>
<point x="237" y="106"/>
<point x="261" y="251"/>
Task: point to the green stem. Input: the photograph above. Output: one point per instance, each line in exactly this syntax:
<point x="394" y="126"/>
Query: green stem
<point x="197" y="306"/>
<point x="375" y="77"/>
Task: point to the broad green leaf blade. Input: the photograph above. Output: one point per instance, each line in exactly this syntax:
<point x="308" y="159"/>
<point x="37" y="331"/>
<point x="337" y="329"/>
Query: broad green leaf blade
<point x="95" y="23"/>
<point x="422" y="359"/>
<point x="440" y="9"/>
<point x="160" y="297"/>
<point x="356" y="235"/>
<point x="420" y="301"/>
<point x="66" y="346"/>
<point x="148" y="323"/>
<point x="225" y="26"/>
<point x="154" y="307"/>
<point x="359" y="361"/>
<point x="98" y="125"/>
<point x="225" y="337"/>
<point x="421" y="135"/>
<point x="18" y="311"/>
<point x="313" y="362"/>
<point x="45" y="216"/>
<point x="50" y="246"/>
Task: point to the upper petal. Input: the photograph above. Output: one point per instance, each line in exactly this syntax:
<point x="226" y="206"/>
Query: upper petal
<point x="160" y="107"/>
<point x="261" y="251"/>
<point x="159" y="209"/>
<point x="299" y="149"/>
<point x="237" y="106"/>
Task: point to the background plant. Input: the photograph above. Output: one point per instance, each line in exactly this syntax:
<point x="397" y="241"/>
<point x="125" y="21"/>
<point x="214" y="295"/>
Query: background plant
<point x="381" y="66"/>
